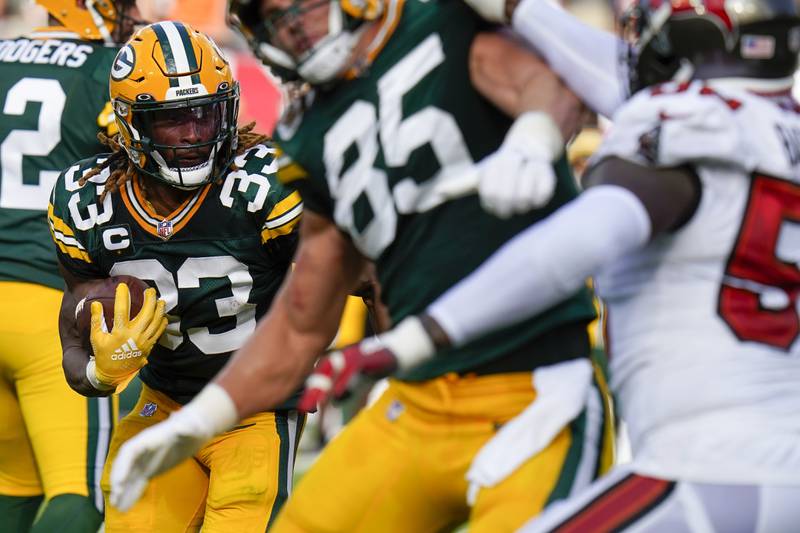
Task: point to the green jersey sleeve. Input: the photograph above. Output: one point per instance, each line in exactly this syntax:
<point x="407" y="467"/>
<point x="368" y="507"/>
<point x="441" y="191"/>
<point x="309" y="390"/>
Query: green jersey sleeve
<point x="74" y="210"/>
<point x="278" y="207"/>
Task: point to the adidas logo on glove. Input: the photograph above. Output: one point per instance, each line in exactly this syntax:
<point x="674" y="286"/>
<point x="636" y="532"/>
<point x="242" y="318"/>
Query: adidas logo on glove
<point x="129" y="350"/>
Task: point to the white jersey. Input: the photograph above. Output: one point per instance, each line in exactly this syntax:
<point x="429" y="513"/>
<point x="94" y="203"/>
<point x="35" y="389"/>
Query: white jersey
<point x="703" y="323"/>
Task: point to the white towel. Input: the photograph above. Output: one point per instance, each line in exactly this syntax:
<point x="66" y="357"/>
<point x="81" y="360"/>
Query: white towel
<point x="561" y="394"/>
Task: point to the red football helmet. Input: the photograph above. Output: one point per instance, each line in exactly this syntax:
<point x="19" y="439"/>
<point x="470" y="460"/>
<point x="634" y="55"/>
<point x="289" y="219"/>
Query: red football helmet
<point x="711" y="39"/>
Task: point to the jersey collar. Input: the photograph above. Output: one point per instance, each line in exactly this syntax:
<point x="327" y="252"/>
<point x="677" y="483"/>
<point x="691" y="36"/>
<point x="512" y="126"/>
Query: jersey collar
<point x="153" y="223"/>
<point x="759" y="86"/>
<point x="388" y="23"/>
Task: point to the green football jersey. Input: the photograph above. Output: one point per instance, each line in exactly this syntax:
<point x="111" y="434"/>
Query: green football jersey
<point x="217" y="261"/>
<point x="370" y="153"/>
<point x="54" y="100"/>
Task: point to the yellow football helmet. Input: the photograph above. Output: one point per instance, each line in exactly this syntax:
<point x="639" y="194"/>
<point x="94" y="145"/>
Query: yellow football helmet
<point x="322" y="62"/>
<point x="168" y="74"/>
<point x="99" y="20"/>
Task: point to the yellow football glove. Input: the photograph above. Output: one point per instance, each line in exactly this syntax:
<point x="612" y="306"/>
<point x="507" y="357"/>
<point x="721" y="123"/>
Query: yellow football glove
<point x="120" y="353"/>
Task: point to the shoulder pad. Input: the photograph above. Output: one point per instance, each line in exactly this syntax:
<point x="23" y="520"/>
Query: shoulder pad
<point x="259" y="159"/>
<point x="69" y="181"/>
<point x="255" y="181"/>
<point x="673" y="125"/>
<point x="75" y="208"/>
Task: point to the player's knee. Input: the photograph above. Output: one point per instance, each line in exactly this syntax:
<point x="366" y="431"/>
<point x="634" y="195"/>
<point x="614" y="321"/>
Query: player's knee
<point x="242" y="490"/>
<point x="241" y="497"/>
<point x="244" y="503"/>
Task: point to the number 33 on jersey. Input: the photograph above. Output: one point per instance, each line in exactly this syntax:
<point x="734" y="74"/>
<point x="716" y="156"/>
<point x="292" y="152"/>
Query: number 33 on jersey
<point x="217" y="260"/>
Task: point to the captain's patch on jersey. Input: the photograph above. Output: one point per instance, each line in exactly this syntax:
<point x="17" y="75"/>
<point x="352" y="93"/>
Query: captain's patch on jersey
<point x="123" y="63"/>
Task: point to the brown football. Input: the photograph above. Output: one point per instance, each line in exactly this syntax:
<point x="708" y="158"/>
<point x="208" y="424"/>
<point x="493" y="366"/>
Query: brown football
<point x="103" y="291"/>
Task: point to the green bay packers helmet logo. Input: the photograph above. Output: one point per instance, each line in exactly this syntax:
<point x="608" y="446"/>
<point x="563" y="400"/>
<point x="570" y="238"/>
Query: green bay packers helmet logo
<point x="123" y="63"/>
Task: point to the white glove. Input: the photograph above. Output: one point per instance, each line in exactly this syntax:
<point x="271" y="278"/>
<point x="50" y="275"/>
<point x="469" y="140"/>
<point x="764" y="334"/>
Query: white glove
<point x="519" y="176"/>
<point x="491" y="10"/>
<point x="160" y="447"/>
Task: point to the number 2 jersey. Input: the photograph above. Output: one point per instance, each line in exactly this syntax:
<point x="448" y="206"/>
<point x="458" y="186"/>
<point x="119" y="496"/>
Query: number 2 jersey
<point x="53" y="100"/>
<point x="703" y="323"/>
<point x="369" y="154"/>
<point x="217" y="261"/>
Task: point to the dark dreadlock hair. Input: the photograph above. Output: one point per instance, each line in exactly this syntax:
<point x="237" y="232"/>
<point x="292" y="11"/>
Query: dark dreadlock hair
<point x="123" y="169"/>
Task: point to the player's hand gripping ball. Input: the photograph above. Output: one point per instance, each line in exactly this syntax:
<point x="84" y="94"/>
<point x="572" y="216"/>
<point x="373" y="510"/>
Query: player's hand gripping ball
<point x="104" y="291"/>
<point x="125" y="320"/>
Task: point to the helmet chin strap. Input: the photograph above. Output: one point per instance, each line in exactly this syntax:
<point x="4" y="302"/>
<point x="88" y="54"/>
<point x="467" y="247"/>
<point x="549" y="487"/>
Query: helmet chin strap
<point x="187" y="187"/>
<point x="179" y="178"/>
<point x="684" y="72"/>
<point x="330" y="57"/>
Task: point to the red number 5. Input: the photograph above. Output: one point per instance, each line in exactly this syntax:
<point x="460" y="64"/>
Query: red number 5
<point x="758" y="297"/>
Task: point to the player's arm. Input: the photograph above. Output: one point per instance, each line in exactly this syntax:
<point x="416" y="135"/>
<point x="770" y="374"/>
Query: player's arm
<point x="265" y="371"/>
<point x="520" y="176"/>
<point x="301" y="322"/>
<point x="75" y="357"/>
<point x="627" y="205"/>
<point x="588" y="59"/>
<point x="517" y="81"/>
<point x="102" y="374"/>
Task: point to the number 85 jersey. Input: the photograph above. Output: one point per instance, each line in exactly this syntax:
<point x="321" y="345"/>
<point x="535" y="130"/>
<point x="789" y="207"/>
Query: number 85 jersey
<point x="371" y="153"/>
<point x="217" y="261"/>
<point x="703" y="322"/>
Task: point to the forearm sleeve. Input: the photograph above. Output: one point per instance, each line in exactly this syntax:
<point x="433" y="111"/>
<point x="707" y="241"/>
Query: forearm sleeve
<point x="544" y="264"/>
<point x="586" y="58"/>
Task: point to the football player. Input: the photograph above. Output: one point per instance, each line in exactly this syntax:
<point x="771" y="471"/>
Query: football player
<point x="376" y="150"/>
<point x="191" y="204"/>
<point x="691" y="222"/>
<point x="54" y="101"/>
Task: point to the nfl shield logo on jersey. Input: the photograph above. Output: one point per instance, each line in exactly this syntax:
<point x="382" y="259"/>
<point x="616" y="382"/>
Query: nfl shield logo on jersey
<point x="165" y="229"/>
<point x="148" y="410"/>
